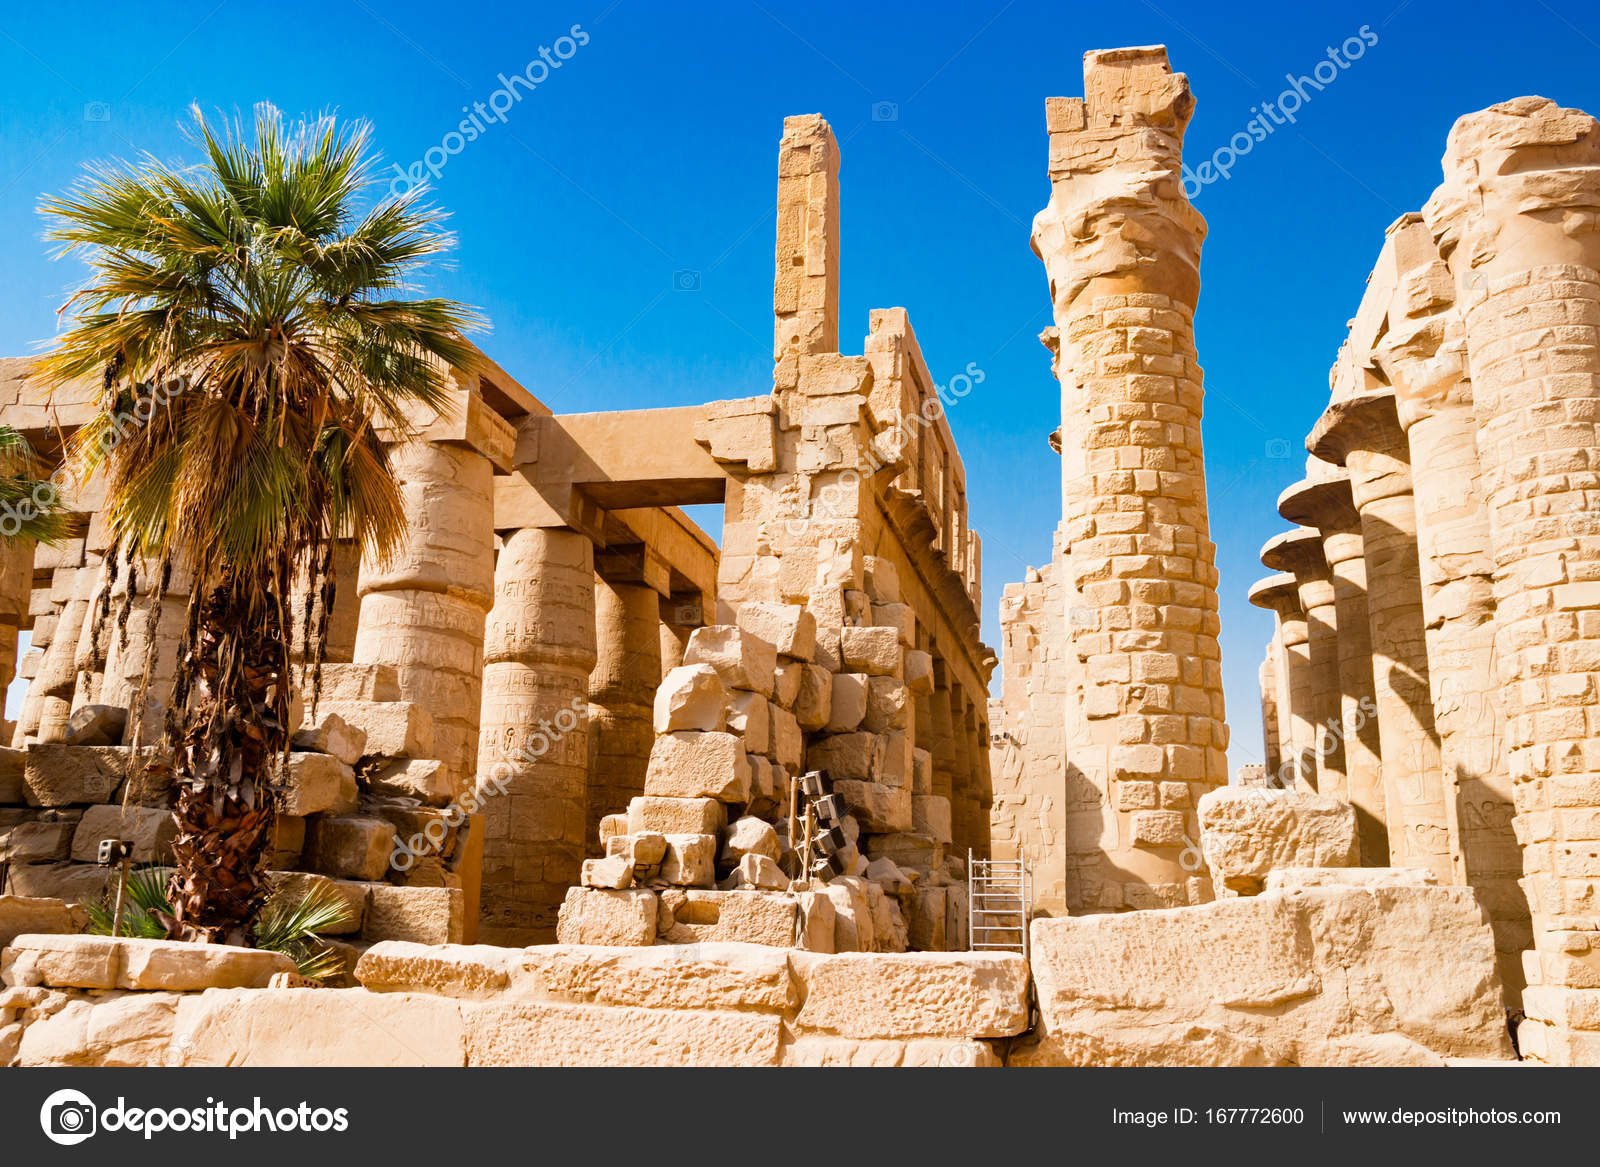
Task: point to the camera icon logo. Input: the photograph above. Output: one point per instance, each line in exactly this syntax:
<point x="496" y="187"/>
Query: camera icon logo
<point x="1277" y="448"/>
<point x="686" y="280"/>
<point x="96" y="111"/>
<point x="886" y="111"/>
<point x="68" y="1117"/>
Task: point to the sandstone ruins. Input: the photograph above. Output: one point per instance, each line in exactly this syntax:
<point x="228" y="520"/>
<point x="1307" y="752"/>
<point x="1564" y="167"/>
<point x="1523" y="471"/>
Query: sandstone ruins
<point x="555" y="762"/>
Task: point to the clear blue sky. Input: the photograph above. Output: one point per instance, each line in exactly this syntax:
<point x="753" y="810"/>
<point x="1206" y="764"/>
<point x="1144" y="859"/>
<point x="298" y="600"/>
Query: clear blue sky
<point x="650" y="151"/>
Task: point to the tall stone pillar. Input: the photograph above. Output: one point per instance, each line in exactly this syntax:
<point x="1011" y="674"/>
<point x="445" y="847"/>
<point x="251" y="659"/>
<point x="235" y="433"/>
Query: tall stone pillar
<point x="126" y="653"/>
<point x="423" y="611"/>
<point x="1422" y="353"/>
<point x="1267" y="681"/>
<point x="1515" y="220"/>
<point x="622" y="688"/>
<point x="16" y="588"/>
<point x="1299" y="553"/>
<point x="1324" y="501"/>
<point x="45" y="719"/>
<point x="1280" y="594"/>
<point x="539" y="649"/>
<point x="1360" y="430"/>
<point x="1121" y="246"/>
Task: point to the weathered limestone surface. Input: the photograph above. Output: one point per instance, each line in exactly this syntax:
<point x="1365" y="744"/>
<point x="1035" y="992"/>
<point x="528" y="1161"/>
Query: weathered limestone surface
<point x="1121" y="246"/>
<point x="1252" y="831"/>
<point x="1390" y="972"/>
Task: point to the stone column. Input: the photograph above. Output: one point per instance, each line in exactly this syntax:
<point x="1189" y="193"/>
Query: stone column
<point x="1299" y="553"/>
<point x="1267" y="679"/>
<point x="1121" y="246"/>
<point x="125" y="655"/>
<point x="1515" y="220"/>
<point x="16" y="588"/>
<point x="423" y="612"/>
<point x="1280" y="594"/>
<point x="1423" y="355"/>
<point x="45" y="719"/>
<point x="1361" y="431"/>
<point x="1325" y="502"/>
<point x="539" y="649"/>
<point x="622" y="690"/>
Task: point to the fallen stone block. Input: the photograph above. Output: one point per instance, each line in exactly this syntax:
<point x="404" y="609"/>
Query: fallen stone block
<point x="691" y="764"/>
<point x="750" y="836"/>
<point x="813" y="704"/>
<point x="149" y="831"/>
<point x="816" y="922"/>
<point x="614" y="872"/>
<point x="676" y="816"/>
<point x="470" y="971"/>
<point x="592" y="916"/>
<point x="913" y="994"/>
<point x="888" y="705"/>
<point x="874" y="651"/>
<point x="428" y="780"/>
<point x="1336" y="974"/>
<point x="749" y="917"/>
<point x="132" y="1030"/>
<point x="421" y="915"/>
<point x="748" y="717"/>
<point x="690" y="860"/>
<point x="848" y="703"/>
<point x="331" y="734"/>
<point x="104" y="962"/>
<point x="1247" y="832"/>
<point x="23" y="914"/>
<point x="690" y="697"/>
<point x="38" y="841"/>
<point x="760" y="873"/>
<point x="880" y="809"/>
<point x="930" y="815"/>
<point x="553" y="1034"/>
<point x="96" y="725"/>
<point x="349" y="846"/>
<point x="742" y="659"/>
<point x="900" y="617"/>
<point x="73" y="882"/>
<point x="317" y="1027"/>
<point x="316" y="784"/>
<point x="394" y="729"/>
<point x="63" y="775"/>
<point x="712" y="975"/>
<point x="789" y="628"/>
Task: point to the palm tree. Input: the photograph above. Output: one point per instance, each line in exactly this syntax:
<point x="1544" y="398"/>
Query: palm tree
<point x="30" y="504"/>
<point x="251" y="315"/>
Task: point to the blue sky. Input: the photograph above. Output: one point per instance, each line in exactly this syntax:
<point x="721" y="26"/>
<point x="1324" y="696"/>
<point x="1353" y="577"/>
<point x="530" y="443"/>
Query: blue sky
<point x="650" y="152"/>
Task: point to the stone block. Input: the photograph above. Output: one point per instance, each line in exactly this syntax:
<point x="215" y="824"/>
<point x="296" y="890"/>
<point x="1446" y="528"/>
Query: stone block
<point x="888" y="705"/>
<point x="556" y="1034"/>
<point x="874" y="651"/>
<point x="845" y="756"/>
<point x="676" y="816"/>
<point x="467" y="971"/>
<point x="1340" y="974"/>
<point x="62" y="775"/>
<point x="331" y="734"/>
<point x="848" y="702"/>
<point x="788" y="743"/>
<point x="13" y="776"/>
<point x="919" y="672"/>
<point x="593" y="916"/>
<point x="23" y="914"/>
<point x="900" y="617"/>
<point x="427" y="780"/>
<point x="758" y="872"/>
<point x="813" y="705"/>
<point x="750" y="836"/>
<point x="317" y="1027"/>
<point x="37" y="842"/>
<point x="690" y="860"/>
<point x="101" y="962"/>
<point x="786" y="682"/>
<point x="614" y="872"/>
<point x="316" y="784"/>
<point x="697" y="764"/>
<point x="748" y="717"/>
<point x="421" y="915"/>
<point x="742" y="659"/>
<point x="297" y="885"/>
<point x="882" y="580"/>
<point x="880" y="809"/>
<point x="930" y="815"/>
<point x="150" y="832"/>
<point x="73" y="882"/>
<point x="96" y="725"/>
<point x="394" y="729"/>
<point x="789" y="628"/>
<point x="1247" y="832"/>
<point x="712" y="975"/>
<point x="914" y="994"/>
<point x="349" y="846"/>
<point x="690" y="697"/>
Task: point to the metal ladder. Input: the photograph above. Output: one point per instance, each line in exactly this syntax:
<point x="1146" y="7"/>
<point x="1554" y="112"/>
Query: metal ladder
<point x="999" y="896"/>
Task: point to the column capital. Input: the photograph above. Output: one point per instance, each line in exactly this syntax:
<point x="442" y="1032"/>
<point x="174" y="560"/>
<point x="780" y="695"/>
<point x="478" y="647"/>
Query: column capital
<point x="1278" y="593"/>
<point x="1297" y="552"/>
<point x="1365" y="419"/>
<point x="1325" y="504"/>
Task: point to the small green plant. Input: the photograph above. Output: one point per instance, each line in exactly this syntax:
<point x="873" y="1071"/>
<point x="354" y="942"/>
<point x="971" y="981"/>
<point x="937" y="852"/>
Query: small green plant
<point x="286" y="923"/>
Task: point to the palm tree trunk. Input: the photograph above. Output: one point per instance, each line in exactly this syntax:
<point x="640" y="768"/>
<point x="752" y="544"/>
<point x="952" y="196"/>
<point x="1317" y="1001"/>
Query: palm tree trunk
<point x="230" y="735"/>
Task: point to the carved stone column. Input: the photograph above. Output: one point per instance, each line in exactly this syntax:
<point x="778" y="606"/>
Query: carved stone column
<point x="1422" y="352"/>
<point x="1516" y="221"/>
<point x="1121" y="246"/>
<point x="1361" y="431"/>
<point x="539" y="649"/>
<point x="1280" y="594"/>
<point x="1299" y="553"/>
<point x="622" y="690"/>
<point x="1324" y="501"/>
